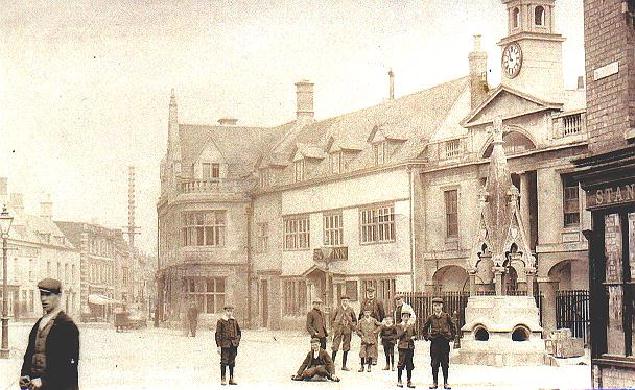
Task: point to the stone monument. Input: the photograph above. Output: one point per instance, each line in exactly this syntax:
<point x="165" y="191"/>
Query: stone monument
<point x="500" y="330"/>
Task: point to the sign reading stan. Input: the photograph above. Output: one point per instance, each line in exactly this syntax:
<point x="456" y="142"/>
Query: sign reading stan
<point x="611" y="195"/>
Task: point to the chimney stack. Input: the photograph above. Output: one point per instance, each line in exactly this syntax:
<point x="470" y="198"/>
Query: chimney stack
<point x="46" y="207"/>
<point x="3" y="188"/>
<point x="580" y="82"/>
<point x="305" y="99"/>
<point x="227" y="121"/>
<point x="391" y="77"/>
<point x="479" y="89"/>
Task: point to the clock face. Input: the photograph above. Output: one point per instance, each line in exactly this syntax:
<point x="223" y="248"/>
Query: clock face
<point x="512" y="60"/>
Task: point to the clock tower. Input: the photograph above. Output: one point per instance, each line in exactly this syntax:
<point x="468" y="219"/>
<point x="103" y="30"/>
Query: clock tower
<point x="531" y="54"/>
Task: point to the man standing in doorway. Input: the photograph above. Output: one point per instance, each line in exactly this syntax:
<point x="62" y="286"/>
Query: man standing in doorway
<point x="440" y="329"/>
<point x="376" y="307"/>
<point x="316" y="323"/>
<point x="52" y="354"/>
<point x="344" y="321"/>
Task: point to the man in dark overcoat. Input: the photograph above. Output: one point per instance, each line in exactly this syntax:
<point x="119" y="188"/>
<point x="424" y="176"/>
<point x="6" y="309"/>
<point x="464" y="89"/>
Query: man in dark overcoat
<point x="227" y="339"/>
<point x="376" y="307"/>
<point x="192" y="318"/>
<point x="316" y="365"/>
<point x="52" y="354"/>
<point x="440" y="329"/>
<point x="344" y="321"/>
<point x="316" y="323"/>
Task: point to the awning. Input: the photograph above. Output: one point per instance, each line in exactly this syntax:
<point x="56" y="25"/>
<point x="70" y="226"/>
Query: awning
<point x="100" y="300"/>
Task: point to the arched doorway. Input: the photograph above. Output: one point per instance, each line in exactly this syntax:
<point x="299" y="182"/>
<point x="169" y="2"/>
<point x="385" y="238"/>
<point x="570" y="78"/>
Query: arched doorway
<point x="451" y="278"/>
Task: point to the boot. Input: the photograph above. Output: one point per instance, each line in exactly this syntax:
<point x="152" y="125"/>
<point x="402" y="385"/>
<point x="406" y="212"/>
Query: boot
<point x="344" y="368"/>
<point x="223" y="374"/>
<point x="369" y="361"/>
<point x="399" y="384"/>
<point x="446" y="386"/>
<point x="410" y="385"/>
<point x="231" y="381"/>
<point x="231" y="376"/>
<point x="361" y="368"/>
<point x="392" y="364"/>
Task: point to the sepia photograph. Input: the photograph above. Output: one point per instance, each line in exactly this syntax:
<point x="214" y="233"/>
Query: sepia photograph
<point x="335" y="194"/>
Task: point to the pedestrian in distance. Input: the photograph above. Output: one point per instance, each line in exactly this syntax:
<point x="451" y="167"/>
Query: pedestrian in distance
<point x="376" y="307"/>
<point x="227" y="340"/>
<point x="192" y="318"/>
<point x="316" y="323"/>
<point x="344" y="322"/>
<point x="388" y="334"/>
<point x="368" y="329"/>
<point x="406" y="334"/>
<point x="317" y="366"/>
<point x="52" y="354"/>
<point x="400" y="307"/>
<point x="440" y="329"/>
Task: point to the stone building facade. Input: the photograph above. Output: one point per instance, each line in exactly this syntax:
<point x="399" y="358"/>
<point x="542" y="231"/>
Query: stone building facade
<point x="385" y="196"/>
<point x="37" y="249"/>
<point x="607" y="174"/>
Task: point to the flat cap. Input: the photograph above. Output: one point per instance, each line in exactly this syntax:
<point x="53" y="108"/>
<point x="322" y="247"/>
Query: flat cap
<point x="228" y="306"/>
<point x="437" y="300"/>
<point x="345" y="297"/>
<point x="370" y="288"/>
<point x="315" y="340"/>
<point x="316" y="300"/>
<point x="51" y="285"/>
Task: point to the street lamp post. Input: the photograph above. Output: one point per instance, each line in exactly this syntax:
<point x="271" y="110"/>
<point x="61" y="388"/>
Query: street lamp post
<point x="5" y="225"/>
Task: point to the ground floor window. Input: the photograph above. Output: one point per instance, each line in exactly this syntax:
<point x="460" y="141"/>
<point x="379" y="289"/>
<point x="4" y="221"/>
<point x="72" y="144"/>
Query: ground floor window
<point x="294" y="297"/>
<point x="208" y="292"/>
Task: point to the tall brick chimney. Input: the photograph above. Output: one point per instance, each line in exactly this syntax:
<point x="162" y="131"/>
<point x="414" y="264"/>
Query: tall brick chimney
<point x="305" y="99"/>
<point x="46" y="207"/>
<point x="391" y="83"/>
<point x="479" y="88"/>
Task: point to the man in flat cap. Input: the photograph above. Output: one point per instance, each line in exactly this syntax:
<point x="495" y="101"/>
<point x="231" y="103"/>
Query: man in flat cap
<point x="440" y="329"/>
<point x="227" y="339"/>
<point x="376" y="307"/>
<point x="52" y="354"/>
<point x="317" y="366"/>
<point x="316" y="323"/>
<point x="344" y="321"/>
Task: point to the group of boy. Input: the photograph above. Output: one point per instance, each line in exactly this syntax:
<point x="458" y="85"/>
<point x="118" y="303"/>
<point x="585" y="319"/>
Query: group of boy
<point x="439" y="329"/>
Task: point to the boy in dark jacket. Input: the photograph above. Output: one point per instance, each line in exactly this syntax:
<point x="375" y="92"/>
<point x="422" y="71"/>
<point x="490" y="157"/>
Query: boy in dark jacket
<point x="316" y="365"/>
<point x="440" y="329"/>
<point x="316" y="323"/>
<point x="388" y="334"/>
<point x="227" y="340"/>
<point x="406" y="335"/>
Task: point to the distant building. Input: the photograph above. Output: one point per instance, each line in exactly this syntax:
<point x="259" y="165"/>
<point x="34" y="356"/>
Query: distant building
<point x="607" y="174"/>
<point x="37" y="249"/>
<point x="270" y="218"/>
<point x="105" y="276"/>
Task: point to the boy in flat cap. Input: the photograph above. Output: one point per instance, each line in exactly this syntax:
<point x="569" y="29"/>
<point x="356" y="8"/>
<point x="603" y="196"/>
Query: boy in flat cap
<point x="344" y="321"/>
<point x="376" y="307"/>
<point x="406" y="335"/>
<point x="52" y="354"/>
<point x="440" y="329"/>
<point x="316" y="323"/>
<point x="367" y="330"/>
<point x="227" y="340"/>
<point x="317" y="365"/>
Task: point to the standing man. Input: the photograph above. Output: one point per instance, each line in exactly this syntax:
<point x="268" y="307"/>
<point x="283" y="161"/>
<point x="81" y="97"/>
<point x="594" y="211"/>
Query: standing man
<point x="52" y="354"/>
<point x="376" y="307"/>
<point x="192" y="318"/>
<point x="402" y="307"/>
<point x="316" y="323"/>
<point x="344" y="321"/>
<point x="440" y="329"/>
<point x="227" y="340"/>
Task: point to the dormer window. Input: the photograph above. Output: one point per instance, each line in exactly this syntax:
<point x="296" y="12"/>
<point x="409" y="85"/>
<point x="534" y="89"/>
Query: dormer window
<point x="335" y="162"/>
<point x="210" y="171"/>
<point x="381" y="153"/>
<point x="299" y="170"/>
<point x="516" y="17"/>
<point x="540" y="15"/>
<point x="264" y="178"/>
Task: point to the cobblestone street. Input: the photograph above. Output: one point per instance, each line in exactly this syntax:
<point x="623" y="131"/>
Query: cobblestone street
<point x="165" y="359"/>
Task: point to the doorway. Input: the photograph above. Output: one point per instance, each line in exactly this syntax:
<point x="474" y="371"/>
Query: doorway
<point x="264" y="291"/>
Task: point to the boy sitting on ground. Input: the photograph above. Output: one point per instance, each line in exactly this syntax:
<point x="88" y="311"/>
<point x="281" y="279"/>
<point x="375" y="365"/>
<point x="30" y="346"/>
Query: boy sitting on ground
<point x="317" y="365"/>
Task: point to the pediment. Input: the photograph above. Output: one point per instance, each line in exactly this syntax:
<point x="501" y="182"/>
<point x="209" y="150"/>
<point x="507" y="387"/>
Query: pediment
<point x="507" y="103"/>
<point x="211" y="153"/>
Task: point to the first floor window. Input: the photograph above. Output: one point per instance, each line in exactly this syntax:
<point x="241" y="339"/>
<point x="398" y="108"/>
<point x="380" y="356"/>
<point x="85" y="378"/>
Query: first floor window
<point x="571" y="204"/>
<point x="204" y="228"/>
<point x="377" y="224"/>
<point x="296" y="233"/>
<point x="451" y="217"/>
<point x="333" y="229"/>
<point x="262" y="236"/>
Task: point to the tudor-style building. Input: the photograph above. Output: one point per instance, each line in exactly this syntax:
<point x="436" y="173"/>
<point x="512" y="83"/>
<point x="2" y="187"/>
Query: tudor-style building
<point x="270" y="218"/>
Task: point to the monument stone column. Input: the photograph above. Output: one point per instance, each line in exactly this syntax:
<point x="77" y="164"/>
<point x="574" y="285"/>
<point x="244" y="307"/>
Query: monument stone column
<point x="498" y="279"/>
<point x="472" y="275"/>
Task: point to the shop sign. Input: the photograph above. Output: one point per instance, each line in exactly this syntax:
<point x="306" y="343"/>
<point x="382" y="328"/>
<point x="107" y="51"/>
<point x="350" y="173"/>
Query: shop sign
<point x="611" y="195"/>
<point x="330" y="253"/>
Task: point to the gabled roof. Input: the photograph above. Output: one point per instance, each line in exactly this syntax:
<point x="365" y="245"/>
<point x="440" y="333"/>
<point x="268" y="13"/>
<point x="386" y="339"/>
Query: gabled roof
<point x="33" y="228"/>
<point x="240" y="146"/>
<point x="523" y="104"/>
<point x="310" y="151"/>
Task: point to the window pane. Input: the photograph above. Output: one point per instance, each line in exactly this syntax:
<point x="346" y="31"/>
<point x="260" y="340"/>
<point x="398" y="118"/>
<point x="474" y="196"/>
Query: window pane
<point x="613" y="248"/>
<point x="220" y="285"/>
<point x="220" y="301"/>
<point x="210" y="304"/>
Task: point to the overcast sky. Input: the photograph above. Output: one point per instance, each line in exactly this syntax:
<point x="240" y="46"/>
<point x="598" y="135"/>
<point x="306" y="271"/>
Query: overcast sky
<point x="84" y="86"/>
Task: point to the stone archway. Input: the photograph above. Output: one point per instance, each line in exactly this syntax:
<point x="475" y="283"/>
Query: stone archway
<point x="450" y="278"/>
<point x="561" y="272"/>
